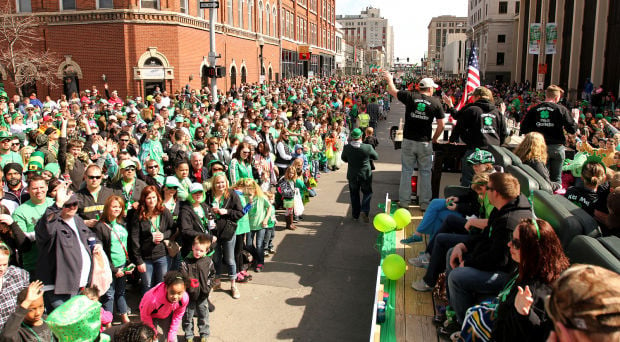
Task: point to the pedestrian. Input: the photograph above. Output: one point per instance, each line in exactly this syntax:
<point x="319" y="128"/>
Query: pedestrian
<point x="417" y="149"/>
<point x="551" y="119"/>
<point x="359" y="174"/>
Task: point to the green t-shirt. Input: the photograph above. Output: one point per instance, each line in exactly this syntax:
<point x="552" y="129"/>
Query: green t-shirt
<point x="11" y="157"/>
<point x="258" y="212"/>
<point x="117" y="251"/>
<point x="243" y="225"/>
<point x="26" y="216"/>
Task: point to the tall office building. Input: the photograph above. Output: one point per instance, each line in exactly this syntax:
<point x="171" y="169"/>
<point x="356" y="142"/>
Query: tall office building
<point x="369" y="30"/>
<point x="438" y="30"/>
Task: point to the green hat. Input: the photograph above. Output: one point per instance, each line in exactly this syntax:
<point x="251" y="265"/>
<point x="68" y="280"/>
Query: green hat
<point x="77" y="320"/>
<point x="178" y="119"/>
<point x="54" y="168"/>
<point x="5" y="135"/>
<point x="252" y="127"/>
<point x="172" y="182"/>
<point x="598" y="116"/>
<point x="196" y="187"/>
<point x="3" y="94"/>
<point x="356" y="133"/>
<point x="36" y="161"/>
<point x="480" y="157"/>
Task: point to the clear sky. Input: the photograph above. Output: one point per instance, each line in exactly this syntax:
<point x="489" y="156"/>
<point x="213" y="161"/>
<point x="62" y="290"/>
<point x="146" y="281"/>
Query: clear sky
<point x="409" y="18"/>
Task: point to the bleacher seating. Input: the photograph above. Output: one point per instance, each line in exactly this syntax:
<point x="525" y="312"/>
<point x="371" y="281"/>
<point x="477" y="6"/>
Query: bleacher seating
<point x="528" y="184"/>
<point x="604" y="251"/>
<point x="543" y="184"/>
<point x="501" y="158"/>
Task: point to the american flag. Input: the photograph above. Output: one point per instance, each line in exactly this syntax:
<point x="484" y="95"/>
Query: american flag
<point x="473" y="77"/>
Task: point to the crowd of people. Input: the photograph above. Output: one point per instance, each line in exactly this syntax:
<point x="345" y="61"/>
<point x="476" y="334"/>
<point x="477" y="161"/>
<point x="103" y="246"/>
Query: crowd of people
<point x="165" y="197"/>
<point x="502" y="265"/>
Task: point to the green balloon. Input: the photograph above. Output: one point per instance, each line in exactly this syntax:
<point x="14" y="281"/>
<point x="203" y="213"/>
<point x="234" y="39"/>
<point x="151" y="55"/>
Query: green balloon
<point x="384" y="223"/>
<point x="394" y="266"/>
<point x="402" y="217"/>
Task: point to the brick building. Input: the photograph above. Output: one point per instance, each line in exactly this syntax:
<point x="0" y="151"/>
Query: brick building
<point x="141" y="44"/>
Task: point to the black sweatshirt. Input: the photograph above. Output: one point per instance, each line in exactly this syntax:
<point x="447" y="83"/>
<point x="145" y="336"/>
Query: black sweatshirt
<point x="550" y="119"/>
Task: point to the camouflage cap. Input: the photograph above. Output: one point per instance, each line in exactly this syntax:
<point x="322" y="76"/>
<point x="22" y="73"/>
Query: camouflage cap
<point x="480" y="157"/>
<point x="587" y="298"/>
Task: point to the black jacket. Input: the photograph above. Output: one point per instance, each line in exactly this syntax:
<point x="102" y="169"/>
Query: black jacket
<point x="88" y="208"/>
<point x="60" y="257"/>
<point x="541" y="168"/>
<point x="233" y="207"/>
<point x="488" y="251"/>
<point x="105" y="235"/>
<point x="550" y="119"/>
<point x="204" y="174"/>
<point x="512" y="326"/>
<point x="191" y="225"/>
<point x="202" y="270"/>
<point x="77" y="173"/>
<point x="479" y="124"/>
<point x="139" y="185"/>
<point x="141" y="246"/>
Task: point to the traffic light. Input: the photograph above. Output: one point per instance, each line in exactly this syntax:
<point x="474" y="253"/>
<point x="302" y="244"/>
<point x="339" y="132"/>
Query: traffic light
<point x="397" y="59"/>
<point x="210" y="72"/>
<point x="216" y="72"/>
<point x="407" y="59"/>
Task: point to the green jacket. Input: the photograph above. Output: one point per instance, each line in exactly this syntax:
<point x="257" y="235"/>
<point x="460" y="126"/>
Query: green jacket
<point x="359" y="159"/>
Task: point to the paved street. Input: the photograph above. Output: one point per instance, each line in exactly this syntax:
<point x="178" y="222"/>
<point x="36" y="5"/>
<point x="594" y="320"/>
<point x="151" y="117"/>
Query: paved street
<point x="319" y="285"/>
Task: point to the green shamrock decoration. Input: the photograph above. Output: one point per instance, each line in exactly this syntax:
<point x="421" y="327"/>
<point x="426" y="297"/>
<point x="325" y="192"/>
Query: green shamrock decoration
<point x="421" y="107"/>
<point x="544" y="114"/>
<point x="488" y="121"/>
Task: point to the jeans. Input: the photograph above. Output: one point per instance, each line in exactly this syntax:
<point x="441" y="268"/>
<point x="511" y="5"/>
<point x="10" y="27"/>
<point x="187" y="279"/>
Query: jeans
<point x="414" y="153"/>
<point x="467" y="284"/>
<point x="257" y="249"/>
<point x="365" y="186"/>
<point x="453" y="224"/>
<point x="239" y="244"/>
<point x="555" y="160"/>
<point x="442" y="243"/>
<point x="174" y="263"/>
<point x="201" y="310"/>
<point x="52" y="300"/>
<point x="155" y="270"/>
<point x="434" y="217"/>
<point x="225" y="255"/>
<point x="270" y="233"/>
<point x="115" y="294"/>
<point x="467" y="171"/>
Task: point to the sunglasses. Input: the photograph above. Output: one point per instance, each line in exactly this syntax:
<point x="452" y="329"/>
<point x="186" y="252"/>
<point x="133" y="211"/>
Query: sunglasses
<point x="217" y="169"/>
<point x="245" y="151"/>
<point x="15" y="144"/>
<point x="70" y="205"/>
<point x="124" y="140"/>
<point x="152" y="167"/>
<point x="131" y="168"/>
<point x="94" y="177"/>
<point x="171" y="187"/>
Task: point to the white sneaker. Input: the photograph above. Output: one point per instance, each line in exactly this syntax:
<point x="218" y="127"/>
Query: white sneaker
<point x="421" y="286"/>
<point x="422" y="261"/>
<point x="235" y="292"/>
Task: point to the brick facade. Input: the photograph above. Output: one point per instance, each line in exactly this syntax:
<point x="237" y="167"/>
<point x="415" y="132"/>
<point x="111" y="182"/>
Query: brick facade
<point x="112" y="41"/>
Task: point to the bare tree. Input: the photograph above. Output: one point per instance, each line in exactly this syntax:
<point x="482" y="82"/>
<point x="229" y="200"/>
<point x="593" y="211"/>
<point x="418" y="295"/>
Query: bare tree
<point x="22" y="63"/>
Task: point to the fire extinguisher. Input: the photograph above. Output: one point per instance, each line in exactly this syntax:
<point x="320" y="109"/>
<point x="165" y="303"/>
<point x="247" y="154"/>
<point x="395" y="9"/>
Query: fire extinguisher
<point x="414" y="183"/>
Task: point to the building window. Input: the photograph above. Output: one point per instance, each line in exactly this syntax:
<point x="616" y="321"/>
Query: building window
<point x="229" y="9"/>
<point x="24" y="6"/>
<point x="501" y="38"/>
<point x="500" y="58"/>
<point x="240" y="12"/>
<point x="67" y="5"/>
<point x="275" y="21"/>
<point x="250" y="11"/>
<point x="259" y="21"/>
<point x="517" y="7"/>
<point x="154" y="4"/>
<point x="105" y="4"/>
<point x="184" y="6"/>
<point x="503" y="7"/>
<point x="267" y="20"/>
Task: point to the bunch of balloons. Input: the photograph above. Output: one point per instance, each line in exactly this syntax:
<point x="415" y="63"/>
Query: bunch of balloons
<point x="386" y="223"/>
<point x="394" y="266"/>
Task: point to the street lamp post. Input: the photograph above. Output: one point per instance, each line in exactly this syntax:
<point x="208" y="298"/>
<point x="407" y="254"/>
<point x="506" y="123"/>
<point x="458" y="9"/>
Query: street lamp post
<point x="261" y="44"/>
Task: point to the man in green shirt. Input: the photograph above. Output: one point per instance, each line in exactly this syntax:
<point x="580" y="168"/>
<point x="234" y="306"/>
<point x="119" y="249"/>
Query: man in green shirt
<point x="6" y="155"/>
<point x="28" y="214"/>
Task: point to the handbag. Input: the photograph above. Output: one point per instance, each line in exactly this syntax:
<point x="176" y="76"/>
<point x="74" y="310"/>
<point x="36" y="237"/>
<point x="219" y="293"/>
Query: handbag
<point x="172" y="247"/>
<point x="229" y="230"/>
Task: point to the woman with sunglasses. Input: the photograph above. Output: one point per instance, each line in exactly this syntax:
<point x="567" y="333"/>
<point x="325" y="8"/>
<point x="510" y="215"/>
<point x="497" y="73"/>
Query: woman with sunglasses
<point x="518" y="312"/>
<point x="151" y="223"/>
<point x="241" y="164"/>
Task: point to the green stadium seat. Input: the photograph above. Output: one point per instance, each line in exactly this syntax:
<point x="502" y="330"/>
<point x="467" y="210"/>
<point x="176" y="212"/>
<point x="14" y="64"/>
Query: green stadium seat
<point x="513" y="157"/>
<point x="565" y="224"/>
<point x="501" y="158"/>
<point x="542" y="182"/>
<point x="528" y="184"/>
<point x="588" y="250"/>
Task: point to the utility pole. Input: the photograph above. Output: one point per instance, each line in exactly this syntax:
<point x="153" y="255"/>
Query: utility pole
<point x="542" y="55"/>
<point x="212" y="53"/>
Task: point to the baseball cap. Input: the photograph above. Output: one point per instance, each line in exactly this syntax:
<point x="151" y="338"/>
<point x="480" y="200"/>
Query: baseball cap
<point x="252" y="127"/>
<point x="480" y="157"/>
<point x="72" y="199"/>
<point x="587" y="298"/>
<point x="428" y="83"/>
<point x="4" y="135"/>
<point x="356" y="133"/>
<point x="127" y="163"/>
<point x="172" y="182"/>
<point x="195" y="187"/>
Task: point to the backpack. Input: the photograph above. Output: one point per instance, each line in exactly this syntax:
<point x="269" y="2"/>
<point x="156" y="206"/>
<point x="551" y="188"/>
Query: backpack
<point x="199" y="286"/>
<point x="285" y="189"/>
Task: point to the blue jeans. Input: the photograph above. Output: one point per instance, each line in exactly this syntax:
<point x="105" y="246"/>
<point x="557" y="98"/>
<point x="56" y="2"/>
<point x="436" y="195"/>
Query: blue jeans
<point x="467" y="171"/>
<point x="257" y="249"/>
<point x="225" y="255"/>
<point x="270" y="233"/>
<point x="414" y="153"/>
<point x="453" y="224"/>
<point x="434" y="217"/>
<point x="555" y="160"/>
<point x="467" y="284"/>
<point x="365" y="186"/>
<point x="442" y="244"/>
<point x="155" y="270"/>
<point x="52" y="300"/>
<point x="115" y="294"/>
<point x="201" y="310"/>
